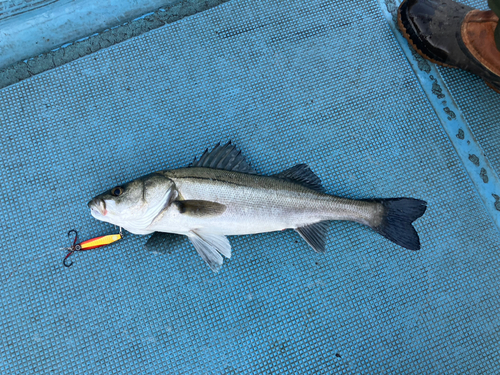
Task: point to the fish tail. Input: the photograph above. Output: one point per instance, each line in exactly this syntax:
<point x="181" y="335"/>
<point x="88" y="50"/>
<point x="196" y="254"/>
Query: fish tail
<point x="398" y="214"/>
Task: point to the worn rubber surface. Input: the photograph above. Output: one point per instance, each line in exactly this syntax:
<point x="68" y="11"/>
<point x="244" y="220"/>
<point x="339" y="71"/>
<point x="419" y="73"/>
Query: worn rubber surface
<point x="324" y="84"/>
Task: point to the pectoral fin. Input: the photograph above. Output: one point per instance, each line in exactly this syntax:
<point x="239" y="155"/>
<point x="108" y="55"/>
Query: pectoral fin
<point x="210" y="247"/>
<point x="199" y="208"/>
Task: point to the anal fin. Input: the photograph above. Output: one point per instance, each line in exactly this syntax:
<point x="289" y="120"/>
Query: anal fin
<point x="315" y="235"/>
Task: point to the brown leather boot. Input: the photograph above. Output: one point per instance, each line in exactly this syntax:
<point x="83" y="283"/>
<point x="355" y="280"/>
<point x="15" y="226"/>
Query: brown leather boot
<point x="454" y="35"/>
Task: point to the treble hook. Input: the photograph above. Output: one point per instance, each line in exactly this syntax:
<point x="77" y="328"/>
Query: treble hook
<point x="71" y="249"/>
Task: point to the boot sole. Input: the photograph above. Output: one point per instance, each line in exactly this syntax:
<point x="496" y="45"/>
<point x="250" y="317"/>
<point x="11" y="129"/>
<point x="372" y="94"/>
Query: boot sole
<point x="405" y="33"/>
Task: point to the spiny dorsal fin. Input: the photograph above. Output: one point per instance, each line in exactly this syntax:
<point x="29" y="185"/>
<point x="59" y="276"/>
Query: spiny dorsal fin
<point x="315" y="235"/>
<point x="302" y="174"/>
<point x="199" y="208"/>
<point x="225" y="157"/>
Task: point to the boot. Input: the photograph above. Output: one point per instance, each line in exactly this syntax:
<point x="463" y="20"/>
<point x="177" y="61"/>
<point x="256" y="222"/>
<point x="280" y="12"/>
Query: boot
<point x="451" y="34"/>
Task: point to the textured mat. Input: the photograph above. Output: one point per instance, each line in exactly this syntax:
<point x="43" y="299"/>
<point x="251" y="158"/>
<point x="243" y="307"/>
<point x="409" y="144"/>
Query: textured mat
<point x="288" y="83"/>
<point x="480" y="106"/>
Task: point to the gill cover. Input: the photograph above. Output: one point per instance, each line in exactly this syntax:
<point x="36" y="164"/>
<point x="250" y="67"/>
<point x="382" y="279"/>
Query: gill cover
<point x="135" y="205"/>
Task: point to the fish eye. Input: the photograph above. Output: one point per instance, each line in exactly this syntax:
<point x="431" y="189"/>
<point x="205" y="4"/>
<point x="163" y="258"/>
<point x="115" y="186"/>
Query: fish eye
<point x="117" y="191"/>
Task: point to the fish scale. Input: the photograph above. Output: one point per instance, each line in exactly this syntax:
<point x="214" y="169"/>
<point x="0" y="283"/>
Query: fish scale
<point x="257" y="204"/>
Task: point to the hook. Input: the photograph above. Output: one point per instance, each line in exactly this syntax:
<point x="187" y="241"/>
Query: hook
<point x="66" y="258"/>
<point x="76" y="235"/>
<point x="71" y="249"/>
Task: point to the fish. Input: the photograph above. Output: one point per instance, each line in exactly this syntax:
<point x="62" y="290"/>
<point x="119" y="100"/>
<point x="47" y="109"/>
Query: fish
<point x="220" y="195"/>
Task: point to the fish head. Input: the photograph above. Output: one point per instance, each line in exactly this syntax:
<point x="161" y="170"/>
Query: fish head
<point x="133" y="206"/>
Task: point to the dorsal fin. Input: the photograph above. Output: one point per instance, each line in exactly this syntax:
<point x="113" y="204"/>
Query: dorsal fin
<point x="303" y="175"/>
<point x="225" y="157"/>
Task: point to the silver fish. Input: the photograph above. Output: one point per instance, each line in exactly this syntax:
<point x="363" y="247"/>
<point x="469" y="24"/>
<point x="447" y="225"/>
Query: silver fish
<point x="220" y="195"/>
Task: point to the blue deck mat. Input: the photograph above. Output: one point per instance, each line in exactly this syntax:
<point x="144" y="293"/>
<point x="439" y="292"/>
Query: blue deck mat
<point x="317" y="82"/>
<point x="480" y="104"/>
<point x="481" y="108"/>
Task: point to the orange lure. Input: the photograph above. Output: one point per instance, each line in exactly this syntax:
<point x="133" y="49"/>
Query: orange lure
<point x="93" y="243"/>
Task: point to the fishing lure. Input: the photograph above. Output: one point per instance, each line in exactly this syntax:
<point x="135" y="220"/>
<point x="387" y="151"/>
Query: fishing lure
<point x="93" y="243"/>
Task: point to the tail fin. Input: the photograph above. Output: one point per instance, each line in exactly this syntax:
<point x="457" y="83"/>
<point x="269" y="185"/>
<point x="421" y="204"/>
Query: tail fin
<point x="398" y="214"/>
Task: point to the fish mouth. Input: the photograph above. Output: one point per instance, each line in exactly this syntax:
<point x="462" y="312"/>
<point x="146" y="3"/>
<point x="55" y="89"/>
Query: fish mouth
<point x="97" y="207"/>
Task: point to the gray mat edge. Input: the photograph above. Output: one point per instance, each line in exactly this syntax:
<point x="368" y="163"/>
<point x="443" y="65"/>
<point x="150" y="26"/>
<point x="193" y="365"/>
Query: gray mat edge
<point x="52" y="59"/>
